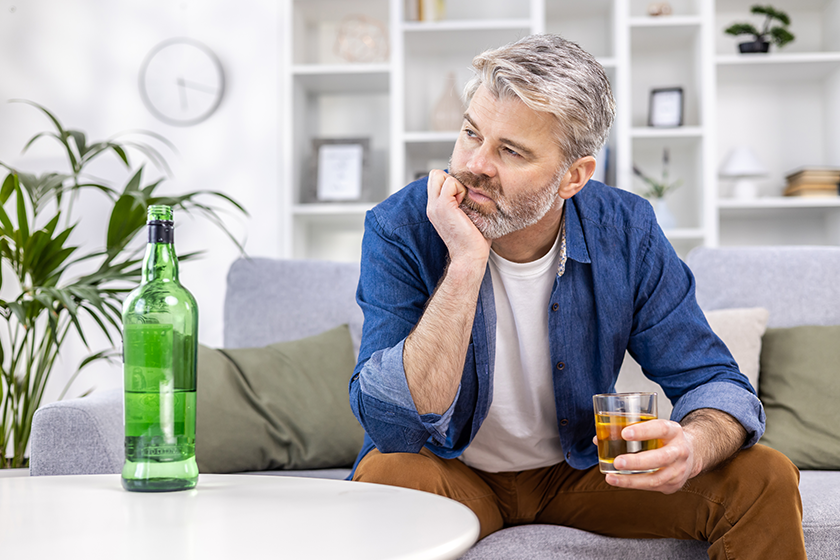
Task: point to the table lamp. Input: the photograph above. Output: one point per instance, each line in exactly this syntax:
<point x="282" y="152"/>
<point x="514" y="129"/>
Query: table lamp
<point x="742" y="165"/>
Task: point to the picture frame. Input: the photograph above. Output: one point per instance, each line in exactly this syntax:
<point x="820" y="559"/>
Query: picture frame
<point x="666" y="107"/>
<point x="339" y="170"/>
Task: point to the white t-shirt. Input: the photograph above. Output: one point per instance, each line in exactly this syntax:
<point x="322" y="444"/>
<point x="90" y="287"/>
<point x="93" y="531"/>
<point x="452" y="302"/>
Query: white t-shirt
<point x="520" y="431"/>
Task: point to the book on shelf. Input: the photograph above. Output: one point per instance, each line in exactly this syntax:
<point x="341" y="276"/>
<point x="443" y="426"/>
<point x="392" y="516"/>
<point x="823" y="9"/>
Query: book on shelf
<point x="813" y="181"/>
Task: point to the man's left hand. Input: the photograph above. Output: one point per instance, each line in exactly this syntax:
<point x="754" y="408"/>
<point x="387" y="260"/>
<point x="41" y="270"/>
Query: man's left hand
<point x="676" y="460"/>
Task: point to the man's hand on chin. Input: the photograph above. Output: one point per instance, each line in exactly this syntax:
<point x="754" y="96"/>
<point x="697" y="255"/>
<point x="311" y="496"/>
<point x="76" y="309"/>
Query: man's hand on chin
<point x="462" y="238"/>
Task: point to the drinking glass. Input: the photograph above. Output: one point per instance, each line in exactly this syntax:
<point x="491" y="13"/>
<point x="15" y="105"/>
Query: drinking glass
<point x="613" y="413"/>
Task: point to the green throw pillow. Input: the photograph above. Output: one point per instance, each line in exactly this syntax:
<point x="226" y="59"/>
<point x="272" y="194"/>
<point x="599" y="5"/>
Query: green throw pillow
<point x="799" y="385"/>
<point x="284" y="406"/>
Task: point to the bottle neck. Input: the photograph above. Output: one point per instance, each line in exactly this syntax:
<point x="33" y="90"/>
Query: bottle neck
<point x="160" y="262"/>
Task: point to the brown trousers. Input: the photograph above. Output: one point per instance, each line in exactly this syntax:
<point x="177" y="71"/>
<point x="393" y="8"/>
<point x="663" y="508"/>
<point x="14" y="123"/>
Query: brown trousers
<point x="748" y="508"/>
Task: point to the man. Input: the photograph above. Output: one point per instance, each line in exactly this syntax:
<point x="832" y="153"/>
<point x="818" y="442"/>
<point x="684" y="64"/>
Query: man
<point x="500" y="296"/>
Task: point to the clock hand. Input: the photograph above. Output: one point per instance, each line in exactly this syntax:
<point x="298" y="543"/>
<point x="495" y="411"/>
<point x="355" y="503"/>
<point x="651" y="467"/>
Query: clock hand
<point x="195" y="85"/>
<point x="182" y="94"/>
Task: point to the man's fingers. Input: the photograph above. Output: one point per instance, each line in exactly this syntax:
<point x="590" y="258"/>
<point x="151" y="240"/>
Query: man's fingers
<point x="653" y="429"/>
<point x="435" y="183"/>
<point x="453" y="187"/>
<point x="653" y="459"/>
<point x="666" y="481"/>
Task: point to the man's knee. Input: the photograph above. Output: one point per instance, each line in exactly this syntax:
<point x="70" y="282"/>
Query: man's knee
<point x="763" y="471"/>
<point x="408" y="470"/>
<point x="773" y="466"/>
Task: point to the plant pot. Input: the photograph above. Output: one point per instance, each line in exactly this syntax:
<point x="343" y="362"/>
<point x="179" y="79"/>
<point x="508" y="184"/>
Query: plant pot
<point x="754" y="47"/>
<point x="663" y="214"/>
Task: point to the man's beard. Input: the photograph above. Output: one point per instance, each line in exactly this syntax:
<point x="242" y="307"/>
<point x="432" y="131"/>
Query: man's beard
<point x="511" y="213"/>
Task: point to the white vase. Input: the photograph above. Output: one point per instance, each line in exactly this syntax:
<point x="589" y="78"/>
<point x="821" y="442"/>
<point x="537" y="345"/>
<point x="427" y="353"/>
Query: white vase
<point x="663" y="214"/>
<point x="448" y="113"/>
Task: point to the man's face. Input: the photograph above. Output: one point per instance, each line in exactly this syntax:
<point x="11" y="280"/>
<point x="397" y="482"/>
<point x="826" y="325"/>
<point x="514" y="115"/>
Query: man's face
<point x="508" y="160"/>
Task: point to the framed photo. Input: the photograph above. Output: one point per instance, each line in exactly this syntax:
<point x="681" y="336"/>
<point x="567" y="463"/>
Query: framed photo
<point x="339" y="170"/>
<point x="666" y="107"/>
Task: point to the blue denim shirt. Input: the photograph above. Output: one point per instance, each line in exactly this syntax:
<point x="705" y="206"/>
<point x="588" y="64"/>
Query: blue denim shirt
<point x="623" y="288"/>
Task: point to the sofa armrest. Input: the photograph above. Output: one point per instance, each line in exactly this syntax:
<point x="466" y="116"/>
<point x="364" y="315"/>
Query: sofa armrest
<point x="79" y="436"/>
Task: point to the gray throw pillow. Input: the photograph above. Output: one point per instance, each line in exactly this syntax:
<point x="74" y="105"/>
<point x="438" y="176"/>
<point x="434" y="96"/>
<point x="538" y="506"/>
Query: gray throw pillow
<point x="800" y="382"/>
<point x="283" y="406"/>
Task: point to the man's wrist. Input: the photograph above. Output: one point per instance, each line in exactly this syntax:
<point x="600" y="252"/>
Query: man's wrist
<point x="714" y="437"/>
<point x="466" y="269"/>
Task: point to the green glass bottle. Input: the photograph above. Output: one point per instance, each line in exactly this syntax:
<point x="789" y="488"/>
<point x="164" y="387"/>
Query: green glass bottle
<point x="160" y="335"/>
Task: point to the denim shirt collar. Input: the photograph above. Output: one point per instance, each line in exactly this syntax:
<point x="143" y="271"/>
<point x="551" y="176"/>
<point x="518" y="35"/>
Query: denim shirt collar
<point x="575" y="243"/>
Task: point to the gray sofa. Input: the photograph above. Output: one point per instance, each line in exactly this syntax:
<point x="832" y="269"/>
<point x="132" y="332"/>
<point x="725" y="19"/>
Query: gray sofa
<point x="269" y="300"/>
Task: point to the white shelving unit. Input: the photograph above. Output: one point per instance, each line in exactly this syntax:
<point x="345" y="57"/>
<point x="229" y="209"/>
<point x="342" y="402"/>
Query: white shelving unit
<point x="784" y="105"/>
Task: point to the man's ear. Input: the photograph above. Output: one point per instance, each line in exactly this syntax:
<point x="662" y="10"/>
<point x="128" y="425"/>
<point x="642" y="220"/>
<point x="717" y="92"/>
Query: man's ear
<point x="577" y="176"/>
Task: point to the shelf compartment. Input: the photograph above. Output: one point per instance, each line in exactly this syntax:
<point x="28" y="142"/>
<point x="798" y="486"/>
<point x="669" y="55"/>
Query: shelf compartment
<point x="420" y="157"/>
<point x="666" y="56"/>
<point x="315" y="25"/>
<point x="466" y="10"/>
<point x="347" y="78"/>
<point x="430" y="56"/>
<point x="686" y="164"/>
<point x="332" y="236"/>
<point x="679" y="8"/>
<point x="590" y="24"/>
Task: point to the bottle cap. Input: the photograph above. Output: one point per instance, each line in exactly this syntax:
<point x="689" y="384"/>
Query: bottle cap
<point x="159" y="213"/>
<point x="161" y="226"/>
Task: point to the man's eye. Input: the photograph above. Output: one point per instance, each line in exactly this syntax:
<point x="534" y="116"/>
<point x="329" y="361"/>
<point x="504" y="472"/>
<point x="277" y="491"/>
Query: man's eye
<point x="470" y="133"/>
<point x="512" y="152"/>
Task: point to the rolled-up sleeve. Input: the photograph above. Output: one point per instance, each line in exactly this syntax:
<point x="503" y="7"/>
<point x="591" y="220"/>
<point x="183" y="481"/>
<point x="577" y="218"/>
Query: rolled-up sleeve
<point x="383" y="386"/>
<point x="394" y="288"/>
<point x="739" y="403"/>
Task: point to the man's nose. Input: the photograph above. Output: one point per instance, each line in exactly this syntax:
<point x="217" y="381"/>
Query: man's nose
<point x="482" y="162"/>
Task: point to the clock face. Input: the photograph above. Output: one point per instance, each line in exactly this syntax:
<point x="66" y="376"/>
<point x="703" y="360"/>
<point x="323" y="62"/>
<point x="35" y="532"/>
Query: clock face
<point x="181" y="82"/>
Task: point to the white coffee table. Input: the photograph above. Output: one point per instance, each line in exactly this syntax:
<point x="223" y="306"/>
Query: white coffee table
<point x="230" y="517"/>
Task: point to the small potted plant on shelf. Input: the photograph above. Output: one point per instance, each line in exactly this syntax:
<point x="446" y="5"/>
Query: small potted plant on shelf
<point x="777" y="34"/>
<point x="657" y="189"/>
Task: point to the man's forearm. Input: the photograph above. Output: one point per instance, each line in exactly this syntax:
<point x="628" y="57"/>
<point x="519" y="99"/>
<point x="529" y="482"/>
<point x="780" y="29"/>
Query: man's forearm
<point x="716" y="436"/>
<point x="434" y="352"/>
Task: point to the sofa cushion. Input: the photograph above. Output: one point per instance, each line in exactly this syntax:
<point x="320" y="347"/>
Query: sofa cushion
<point x="282" y="406"/>
<point x="740" y="330"/>
<point x="799" y="386"/>
<point x="529" y="542"/>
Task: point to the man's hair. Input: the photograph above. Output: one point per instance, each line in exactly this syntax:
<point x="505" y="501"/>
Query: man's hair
<point x="552" y="75"/>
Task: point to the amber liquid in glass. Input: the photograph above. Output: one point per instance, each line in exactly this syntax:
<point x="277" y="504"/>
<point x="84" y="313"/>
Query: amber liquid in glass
<point x="608" y="427"/>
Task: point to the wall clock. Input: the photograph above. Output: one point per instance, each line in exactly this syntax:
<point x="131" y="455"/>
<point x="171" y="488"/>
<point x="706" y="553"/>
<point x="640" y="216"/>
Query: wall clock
<point x="182" y="81"/>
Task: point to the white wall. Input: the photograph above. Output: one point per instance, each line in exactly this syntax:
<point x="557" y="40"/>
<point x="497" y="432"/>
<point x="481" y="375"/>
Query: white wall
<point x="80" y="59"/>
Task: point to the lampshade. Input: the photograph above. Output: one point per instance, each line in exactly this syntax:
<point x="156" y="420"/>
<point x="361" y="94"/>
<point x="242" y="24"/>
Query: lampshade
<point x="742" y="162"/>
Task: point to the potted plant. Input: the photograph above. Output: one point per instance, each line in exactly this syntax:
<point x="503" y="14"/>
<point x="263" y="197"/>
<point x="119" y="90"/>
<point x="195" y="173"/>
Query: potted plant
<point x="777" y="34"/>
<point x="657" y="189"/>
<point x="50" y="285"/>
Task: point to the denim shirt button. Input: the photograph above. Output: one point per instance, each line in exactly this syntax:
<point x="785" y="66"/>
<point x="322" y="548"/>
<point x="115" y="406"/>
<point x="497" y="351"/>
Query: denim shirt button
<point x="555" y="307"/>
<point x="560" y="365"/>
<point x="564" y="422"/>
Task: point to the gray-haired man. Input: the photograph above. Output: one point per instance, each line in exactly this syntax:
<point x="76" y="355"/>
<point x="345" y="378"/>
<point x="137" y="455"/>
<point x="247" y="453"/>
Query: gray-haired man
<point x="500" y="296"/>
